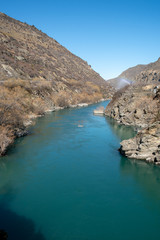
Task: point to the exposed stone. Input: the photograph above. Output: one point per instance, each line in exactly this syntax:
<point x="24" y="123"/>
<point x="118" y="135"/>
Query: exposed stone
<point x="139" y="105"/>
<point x="135" y="105"/>
<point x="145" y="145"/>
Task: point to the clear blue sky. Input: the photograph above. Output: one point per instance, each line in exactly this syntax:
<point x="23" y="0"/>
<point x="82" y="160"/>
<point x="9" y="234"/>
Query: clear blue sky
<point x="110" y="35"/>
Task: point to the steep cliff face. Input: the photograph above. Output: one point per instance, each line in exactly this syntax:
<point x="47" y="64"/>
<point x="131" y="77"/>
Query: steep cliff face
<point x="135" y="105"/>
<point x="145" y="145"/>
<point x="37" y="74"/>
<point x="146" y="74"/>
<point x="139" y="105"/>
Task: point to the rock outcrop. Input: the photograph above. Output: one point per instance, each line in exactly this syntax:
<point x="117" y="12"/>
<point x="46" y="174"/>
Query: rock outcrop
<point x="135" y="105"/>
<point x="145" y="145"/>
<point x="139" y="105"/>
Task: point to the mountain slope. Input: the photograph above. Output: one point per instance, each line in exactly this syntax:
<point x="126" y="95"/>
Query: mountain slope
<point x="37" y="75"/>
<point x="28" y="53"/>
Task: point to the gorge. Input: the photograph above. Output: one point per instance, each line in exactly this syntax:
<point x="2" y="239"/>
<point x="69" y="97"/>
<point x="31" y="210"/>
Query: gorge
<point x="67" y="179"/>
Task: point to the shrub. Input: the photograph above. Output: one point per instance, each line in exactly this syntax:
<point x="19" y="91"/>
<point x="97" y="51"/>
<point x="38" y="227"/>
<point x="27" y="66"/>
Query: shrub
<point x="6" y="138"/>
<point x="62" y="101"/>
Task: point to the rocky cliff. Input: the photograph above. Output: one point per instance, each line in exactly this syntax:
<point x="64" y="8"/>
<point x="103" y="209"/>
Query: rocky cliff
<point x="135" y="105"/>
<point x="145" y="145"/>
<point x="37" y="74"/>
<point x="139" y="105"/>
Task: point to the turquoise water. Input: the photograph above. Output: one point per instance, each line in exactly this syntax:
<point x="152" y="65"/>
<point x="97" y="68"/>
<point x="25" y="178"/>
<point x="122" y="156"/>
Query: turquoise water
<point x="65" y="182"/>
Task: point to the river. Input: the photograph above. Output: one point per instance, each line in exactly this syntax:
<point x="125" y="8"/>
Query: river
<point x="67" y="181"/>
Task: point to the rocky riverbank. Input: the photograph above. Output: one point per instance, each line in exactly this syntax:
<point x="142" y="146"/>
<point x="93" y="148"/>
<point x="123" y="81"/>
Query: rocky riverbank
<point x="145" y="145"/>
<point x="139" y="105"/>
<point x="23" y="101"/>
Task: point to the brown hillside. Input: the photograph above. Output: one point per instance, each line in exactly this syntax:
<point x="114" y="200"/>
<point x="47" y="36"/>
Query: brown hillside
<point x="27" y="53"/>
<point x="37" y="74"/>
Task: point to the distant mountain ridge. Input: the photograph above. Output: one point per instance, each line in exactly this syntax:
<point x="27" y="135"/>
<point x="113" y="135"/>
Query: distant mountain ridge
<point x="149" y="73"/>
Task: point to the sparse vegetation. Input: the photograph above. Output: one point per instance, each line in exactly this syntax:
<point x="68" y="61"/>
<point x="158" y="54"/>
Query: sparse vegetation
<point x="20" y="100"/>
<point x="38" y="74"/>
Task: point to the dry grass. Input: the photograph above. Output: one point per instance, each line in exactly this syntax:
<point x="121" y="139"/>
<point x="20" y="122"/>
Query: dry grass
<point x="6" y="138"/>
<point x="21" y="99"/>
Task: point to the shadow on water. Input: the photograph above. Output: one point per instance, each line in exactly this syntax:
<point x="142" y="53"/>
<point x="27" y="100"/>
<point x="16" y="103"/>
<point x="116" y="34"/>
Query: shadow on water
<point x="17" y="227"/>
<point x="121" y="131"/>
<point x="147" y="175"/>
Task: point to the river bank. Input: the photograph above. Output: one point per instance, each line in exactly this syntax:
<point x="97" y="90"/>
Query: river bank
<point x="21" y="102"/>
<point x="139" y="106"/>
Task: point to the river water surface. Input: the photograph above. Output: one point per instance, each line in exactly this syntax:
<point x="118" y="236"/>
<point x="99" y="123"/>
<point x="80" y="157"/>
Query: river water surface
<point x="67" y="181"/>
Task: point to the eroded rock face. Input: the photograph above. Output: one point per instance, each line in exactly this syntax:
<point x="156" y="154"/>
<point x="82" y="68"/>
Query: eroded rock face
<point x="135" y="105"/>
<point x="139" y="106"/>
<point x="145" y="145"/>
<point x="148" y="76"/>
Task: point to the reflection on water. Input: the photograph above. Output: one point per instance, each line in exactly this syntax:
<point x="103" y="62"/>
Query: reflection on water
<point x="69" y="183"/>
<point x="121" y="131"/>
<point x="147" y="176"/>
